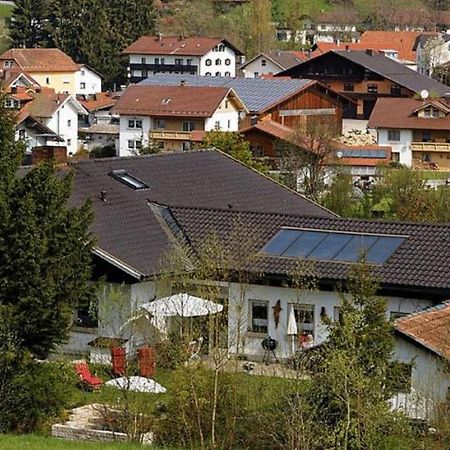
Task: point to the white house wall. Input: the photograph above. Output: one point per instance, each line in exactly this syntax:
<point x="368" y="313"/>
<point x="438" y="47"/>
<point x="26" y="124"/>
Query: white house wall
<point x="218" y="69"/>
<point x="227" y="117"/>
<point x="430" y="376"/>
<point x="65" y="123"/>
<point x="255" y="68"/>
<point x="132" y="134"/>
<point x="402" y="147"/>
<point x="87" y="82"/>
<point x="251" y="346"/>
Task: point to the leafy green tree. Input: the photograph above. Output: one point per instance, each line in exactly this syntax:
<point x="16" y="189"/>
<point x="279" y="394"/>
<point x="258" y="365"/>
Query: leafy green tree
<point x="349" y="392"/>
<point x="261" y="31"/>
<point x="339" y="197"/>
<point x="236" y="146"/>
<point x="28" y="23"/>
<point x="45" y="248"/>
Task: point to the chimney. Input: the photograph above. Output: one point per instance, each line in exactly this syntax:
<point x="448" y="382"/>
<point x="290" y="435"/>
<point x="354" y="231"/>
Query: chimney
<point x="48" y="153"/>
<point x="369" y="51"/>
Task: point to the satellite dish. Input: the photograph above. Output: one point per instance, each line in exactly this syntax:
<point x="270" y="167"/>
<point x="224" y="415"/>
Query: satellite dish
<point x="424" y="94"/>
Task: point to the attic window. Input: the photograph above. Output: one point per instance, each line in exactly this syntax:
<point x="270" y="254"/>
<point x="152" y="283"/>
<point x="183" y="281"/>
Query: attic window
<point x="333" y="246"/>
<point x="129" y="180"/>
<point x="165" y="101"/>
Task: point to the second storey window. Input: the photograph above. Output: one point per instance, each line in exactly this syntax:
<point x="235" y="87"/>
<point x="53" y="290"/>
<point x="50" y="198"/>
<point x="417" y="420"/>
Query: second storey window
<point x="178" y="61"/>
<point x="259" y="316"/>
<point x="394" y="135"/>
<point x="208" y="62"/>
<point x="69" y="123"/>
<point x="263" y="62"/>
<point x="349" y="87"/>
<point x="160" y="124"/>
<point x="227" y="61"/>
<point x="218" y="62"/>
<point x="135" y="123"/>
<point x="188" y="125"/>
<point x="395" y="89"/>
<point x="372" y="88"/>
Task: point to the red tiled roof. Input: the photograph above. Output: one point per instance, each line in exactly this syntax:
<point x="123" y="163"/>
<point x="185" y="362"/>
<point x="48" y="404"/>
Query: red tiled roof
<point x="430" y="328"/>
<point x="99" y="101"/>
<point x="398" y="113"/>
<point x="44" y="103"/>
<point x="40" y="59"/>
<point x="181" y="101"/>
<point x="323" y="47"/>
<point x="172" y="45"/>
<point x="402" y="41"/>
<point x="274" y="129"/>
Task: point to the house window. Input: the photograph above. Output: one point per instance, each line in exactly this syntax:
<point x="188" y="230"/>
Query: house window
<point x="160" y="124"/>
<point x="226" y="103"/>
<point x="227" y="74"/>
<point x="8" y="64"/>
<point x="178" y="61"/>
<point x="349" y="87"/>
<point x="188" y="125"/>
<point x="304" y="316"/>
<point x="134" y="123"/>
<point x="426" y="136"/>
<point x="82" y="85"/>
<point x="229" y="123"/>
<point x="227" y="61"/>
<point x="263" y="63"/>
<point x="47" y="80"/>
<point x="221" y="48"/>
<point x="22" y="134"/>
<point x="218" y="62"/>
<point x="69" y="123"/>
<point x="131" y="144"/>
<point x="372" y="88"/>
<point x="435" y="112"/>
<point x="208" y="62"/>
<point x="143" y="60"/>
<point x="395" y="89"/>
<point x="217" y="125"/>
<point x="259" y="316"/>
<point x="217" y="74"/>
<point x="69" y="142"/>
<point x="157" y="61"/>
<point x="394" y="135"/>
<point x="208" y="74"/>
<point x="163" y="61"/>
<point x="189" y="62"/>
<point x="9" y="103"/>
<point x="186" y="146"/>
<point x="138" y="144"/>
<point x="256" y="74"/>
<point x="82" y="72"/>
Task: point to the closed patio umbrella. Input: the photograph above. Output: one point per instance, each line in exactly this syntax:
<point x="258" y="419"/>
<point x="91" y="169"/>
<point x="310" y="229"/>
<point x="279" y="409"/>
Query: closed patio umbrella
<point x="292" y="329"/>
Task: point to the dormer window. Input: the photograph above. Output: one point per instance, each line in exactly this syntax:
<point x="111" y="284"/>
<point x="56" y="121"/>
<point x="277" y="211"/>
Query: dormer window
<point x="8" y="64"/>
<point x="124" y="177"/>
<point x="165" y="101"/>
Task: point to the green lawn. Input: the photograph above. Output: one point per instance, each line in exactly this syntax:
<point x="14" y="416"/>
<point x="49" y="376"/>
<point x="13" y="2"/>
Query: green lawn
<point x="33" y="442"/>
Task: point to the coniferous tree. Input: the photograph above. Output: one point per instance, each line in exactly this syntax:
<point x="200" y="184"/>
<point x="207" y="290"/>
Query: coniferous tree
<point x="45" y="248"/>
<point x="29" y="23"/>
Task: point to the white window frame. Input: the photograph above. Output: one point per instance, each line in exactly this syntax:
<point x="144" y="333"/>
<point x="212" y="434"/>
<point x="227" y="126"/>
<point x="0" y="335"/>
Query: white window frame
<point x="263" y="323"/>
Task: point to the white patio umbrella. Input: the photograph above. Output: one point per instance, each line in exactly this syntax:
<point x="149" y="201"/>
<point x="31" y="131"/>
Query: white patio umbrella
<point x="182" y="305"/>
<point x="292" y="329"/>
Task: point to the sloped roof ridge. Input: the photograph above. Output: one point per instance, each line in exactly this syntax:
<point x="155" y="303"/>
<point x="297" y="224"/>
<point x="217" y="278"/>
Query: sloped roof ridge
<point x="433" y="308"/>
<point x="328" y="219"/>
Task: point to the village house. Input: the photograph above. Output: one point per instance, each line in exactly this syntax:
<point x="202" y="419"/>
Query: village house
<point x="186" y="55"/>
<point x="270" y="63"/>
<point x="418" y="130"/>
<point x="364" y="76"/>
<point x="167" y="116"/>
<point x="50" y="67"/>
<point x="423" y="341"/>
<point x="88" y="81"/>
<point x="296" y="104"/>
<point x="136" y="225"/>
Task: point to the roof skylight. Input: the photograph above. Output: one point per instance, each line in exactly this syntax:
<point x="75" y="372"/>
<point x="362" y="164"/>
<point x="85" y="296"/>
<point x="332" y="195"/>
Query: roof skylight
<point x="129" y="180"/>
<point x="322" y="245"/>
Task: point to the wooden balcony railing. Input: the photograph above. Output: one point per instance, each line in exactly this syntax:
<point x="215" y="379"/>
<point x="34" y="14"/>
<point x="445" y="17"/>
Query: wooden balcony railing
<point x="430" y="147"/>
<point x="170" y="135"/>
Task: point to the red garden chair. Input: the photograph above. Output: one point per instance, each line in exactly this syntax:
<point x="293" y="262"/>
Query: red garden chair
<point x="86" y="378"/>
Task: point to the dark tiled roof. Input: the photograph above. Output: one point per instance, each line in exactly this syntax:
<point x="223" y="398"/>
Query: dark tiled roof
<point x="430" y="328"/>
<point x="126" y="228"/>
<point x="257" y="94"/>
<point x="421" y="262"/>
<point x="385" y="67"/>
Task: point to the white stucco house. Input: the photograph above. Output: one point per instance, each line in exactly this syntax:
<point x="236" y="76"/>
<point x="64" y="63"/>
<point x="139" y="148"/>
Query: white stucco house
<point x="423" y="341"/>
<point x="147" y="206"/>
<point x="418" y="130"/>
<point x="191" y="55"/>
<point x="88" y="81"/>
<point x="168" y="116"/>
<point x="432" y="50"/>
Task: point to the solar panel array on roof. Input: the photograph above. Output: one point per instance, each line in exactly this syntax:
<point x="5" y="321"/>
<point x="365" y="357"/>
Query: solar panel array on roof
<point x="363" y="153"/>
<point x="257" y="94"/>
<point x="332" y="246"/>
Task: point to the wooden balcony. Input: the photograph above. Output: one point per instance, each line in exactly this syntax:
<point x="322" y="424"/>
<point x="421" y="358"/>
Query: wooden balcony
<point x="440" y="147"/>
<point x="170" y="135"/>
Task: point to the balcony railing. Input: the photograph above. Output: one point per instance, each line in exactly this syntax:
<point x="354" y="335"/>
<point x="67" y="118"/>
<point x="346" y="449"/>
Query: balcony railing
<point x="170" y="135"/>
<point x="430" y="147"/>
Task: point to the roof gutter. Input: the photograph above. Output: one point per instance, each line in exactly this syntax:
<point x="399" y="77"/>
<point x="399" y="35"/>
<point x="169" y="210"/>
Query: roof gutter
<point x="117" y="263"/>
